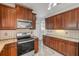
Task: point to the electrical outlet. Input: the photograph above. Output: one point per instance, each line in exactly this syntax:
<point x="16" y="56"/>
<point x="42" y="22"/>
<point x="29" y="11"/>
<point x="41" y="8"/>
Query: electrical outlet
<point x="66" y="32"/>
<point x="6" y="34"/>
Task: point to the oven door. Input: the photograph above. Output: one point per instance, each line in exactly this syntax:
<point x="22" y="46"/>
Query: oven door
<point x="25" y="47"/>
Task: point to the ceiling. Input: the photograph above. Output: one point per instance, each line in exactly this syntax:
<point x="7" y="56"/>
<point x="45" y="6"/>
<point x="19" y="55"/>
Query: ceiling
<point x="41" y="9"/>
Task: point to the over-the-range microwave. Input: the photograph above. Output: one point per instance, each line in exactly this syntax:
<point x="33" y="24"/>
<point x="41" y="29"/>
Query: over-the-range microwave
<point x="24" y="24"/>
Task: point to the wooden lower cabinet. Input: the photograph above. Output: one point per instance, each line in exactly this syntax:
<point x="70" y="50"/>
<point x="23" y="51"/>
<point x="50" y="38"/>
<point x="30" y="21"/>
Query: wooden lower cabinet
<point x="71" y="48"/>
<point x="9" y="50"/>
<point x="36" y="45"/>
<point x="65" y="47"/>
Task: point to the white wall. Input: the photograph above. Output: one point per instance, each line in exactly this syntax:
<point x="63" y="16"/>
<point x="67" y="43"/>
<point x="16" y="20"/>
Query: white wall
<point x="39" y="32"/>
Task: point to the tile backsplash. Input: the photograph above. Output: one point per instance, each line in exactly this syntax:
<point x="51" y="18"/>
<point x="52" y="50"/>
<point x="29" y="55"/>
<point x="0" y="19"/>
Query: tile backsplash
<point x="6" y="34"/>
<point x="64" y="33"/>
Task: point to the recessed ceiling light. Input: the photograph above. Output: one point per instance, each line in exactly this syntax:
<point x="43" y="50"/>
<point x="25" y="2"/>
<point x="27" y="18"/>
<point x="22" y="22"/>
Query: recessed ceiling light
<point x="51" y="5"/>
<point x="54" y="4"/>
<point x="49" y="8"/>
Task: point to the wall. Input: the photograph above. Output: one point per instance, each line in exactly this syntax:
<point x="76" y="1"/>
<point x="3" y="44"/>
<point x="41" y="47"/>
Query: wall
<point x="63" y="33"/>
<point x="7" y="34"/>
<point x="38" y="28"/>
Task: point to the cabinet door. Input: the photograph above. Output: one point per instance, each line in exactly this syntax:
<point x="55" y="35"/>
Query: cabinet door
<point x="3" y="15"/>
<point x="4" y="52"/>
<point x="11" y="19"/>
<point x="43" y="40"/>
<point x="36" y="45"/>
<point x="78" y="17"/>
<point x="58" y="23"/>
<point x="51" y="42"/>
<point x="70" y="49"/>
<point x="25" y="14"/>
<point x="8" y="18"/>
<point x="20" y="12"/>
<point x="29" y="14"/>
<point x="46" y="23"/>
<point x="33" y="21"/>
<point x="74" y="18"/>
<point x="47" y="41"/>
<point x="62" y="47"/>
<point x="9" y="50"/>
<point x="12" y="49"/>
<point x="70" y="21"/>
<point x="51" y="23"/>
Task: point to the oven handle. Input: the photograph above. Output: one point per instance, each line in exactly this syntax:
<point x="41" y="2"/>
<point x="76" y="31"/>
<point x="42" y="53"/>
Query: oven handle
<point x="25" y="41"/>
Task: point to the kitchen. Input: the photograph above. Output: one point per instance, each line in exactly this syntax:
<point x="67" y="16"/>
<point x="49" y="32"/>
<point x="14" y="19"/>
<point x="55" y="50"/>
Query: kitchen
<point x="39" y="29"/>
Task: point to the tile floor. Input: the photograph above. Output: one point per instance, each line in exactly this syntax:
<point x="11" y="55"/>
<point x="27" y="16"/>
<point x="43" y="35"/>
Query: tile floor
<point x="46" y="51"/>
<point x="31" y="53"/>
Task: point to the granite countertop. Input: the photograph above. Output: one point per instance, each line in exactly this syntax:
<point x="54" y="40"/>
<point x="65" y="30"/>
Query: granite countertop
<point x="65" y="38"/>
<point x="7" y="41"/>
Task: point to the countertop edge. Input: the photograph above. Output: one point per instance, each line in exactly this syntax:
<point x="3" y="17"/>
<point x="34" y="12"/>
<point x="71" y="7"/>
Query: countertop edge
<point x="64" y="38"/>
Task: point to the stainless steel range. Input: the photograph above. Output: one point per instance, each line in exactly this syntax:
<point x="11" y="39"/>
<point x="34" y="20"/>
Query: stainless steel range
<point x="25" y="43"/>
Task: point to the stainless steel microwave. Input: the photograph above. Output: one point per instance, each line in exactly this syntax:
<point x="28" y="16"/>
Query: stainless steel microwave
<point x="24" y="24"/>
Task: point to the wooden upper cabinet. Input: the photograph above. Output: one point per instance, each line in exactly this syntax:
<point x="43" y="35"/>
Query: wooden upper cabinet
<point x="78" y="17"/>
<point x="29" y="14"/>
<point x="49" y="23"/>
<point x="54" y="22"/>
<point x="58" y="23"/>
<point x="67" y="20"/>
<point x="46" y="23"/>
<point x="70" y="19"/>
<point x="23" y="13"/>
<point x="33" y="21"/>
<point x="7" y="17"/>
<point x="11" y="19"/>
<point x="20" y="12"/>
